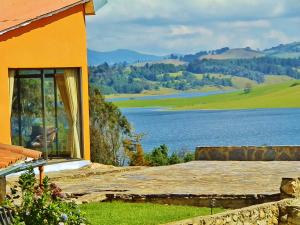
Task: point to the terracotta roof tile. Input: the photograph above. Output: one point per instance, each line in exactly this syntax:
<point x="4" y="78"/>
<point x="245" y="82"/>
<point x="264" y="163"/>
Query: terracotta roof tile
<point x="10" y="154"/>
<point x="15" y="13"/>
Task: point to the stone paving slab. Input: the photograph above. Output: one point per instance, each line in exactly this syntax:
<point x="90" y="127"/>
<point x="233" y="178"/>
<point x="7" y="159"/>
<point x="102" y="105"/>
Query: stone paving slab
<point x="198" y="177"/>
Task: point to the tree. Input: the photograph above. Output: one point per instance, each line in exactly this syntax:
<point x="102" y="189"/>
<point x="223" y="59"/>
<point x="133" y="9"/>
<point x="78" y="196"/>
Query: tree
<point x="158" y="156"/>
<point x="247" y="88"/>
<point x="134" y="150"/>
<point x="174" y="159"/>
<point x="108" y="129"/>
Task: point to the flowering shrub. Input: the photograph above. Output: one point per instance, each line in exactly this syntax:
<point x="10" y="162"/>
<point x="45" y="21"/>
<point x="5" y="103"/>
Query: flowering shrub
<point x="43" y="205"/>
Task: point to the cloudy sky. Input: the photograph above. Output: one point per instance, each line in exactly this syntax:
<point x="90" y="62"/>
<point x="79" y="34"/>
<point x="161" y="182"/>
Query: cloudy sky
<point x="187" y="26"/>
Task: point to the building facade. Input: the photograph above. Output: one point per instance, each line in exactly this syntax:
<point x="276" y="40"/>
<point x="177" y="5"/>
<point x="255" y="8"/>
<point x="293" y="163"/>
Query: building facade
<point x="44" y="102"/>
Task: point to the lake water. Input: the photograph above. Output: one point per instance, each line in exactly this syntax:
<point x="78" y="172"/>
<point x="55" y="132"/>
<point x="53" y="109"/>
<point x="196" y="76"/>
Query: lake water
<point x="188" y="129"/>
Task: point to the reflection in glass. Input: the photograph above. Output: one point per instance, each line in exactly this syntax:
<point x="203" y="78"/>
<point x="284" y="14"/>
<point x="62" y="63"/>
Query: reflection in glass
<point x="27" y="113"/>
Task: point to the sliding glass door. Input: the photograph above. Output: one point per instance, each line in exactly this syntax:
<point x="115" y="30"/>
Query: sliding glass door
<point x="40" y="118"/>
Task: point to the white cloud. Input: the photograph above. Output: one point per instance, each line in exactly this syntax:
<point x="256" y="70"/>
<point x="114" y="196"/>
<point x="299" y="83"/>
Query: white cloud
<point x="165" y="26"/>
<point x="189" y="30"/>
<point x="279" y="8"/>
<point x="246" y="24"/>
<point x="279" y="36"/>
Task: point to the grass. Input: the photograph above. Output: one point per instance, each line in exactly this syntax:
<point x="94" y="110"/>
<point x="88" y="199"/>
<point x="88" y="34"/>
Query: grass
<point x="275" y="79"/>
<point x="282" y="95"/>
<point x="139" y="213"/>
<point x="240" y="82"/>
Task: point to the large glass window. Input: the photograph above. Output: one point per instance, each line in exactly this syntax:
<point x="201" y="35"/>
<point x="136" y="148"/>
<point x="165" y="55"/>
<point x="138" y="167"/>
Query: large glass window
<point x="42" y="116"/>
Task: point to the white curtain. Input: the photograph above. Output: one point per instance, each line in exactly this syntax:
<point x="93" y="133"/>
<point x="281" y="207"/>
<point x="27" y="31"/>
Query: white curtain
<point x="68" y="88"/>
<point x="11" y="79"/>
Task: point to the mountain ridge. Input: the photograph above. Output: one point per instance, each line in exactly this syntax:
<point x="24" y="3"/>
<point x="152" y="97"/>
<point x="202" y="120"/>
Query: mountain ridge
<point x="119" y="56"/>
<point x="290" y="50"/>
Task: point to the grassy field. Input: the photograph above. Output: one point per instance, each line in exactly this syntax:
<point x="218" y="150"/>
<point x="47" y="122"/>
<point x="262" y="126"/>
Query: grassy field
<point x="283" y="95"/>
<point x="238" y="83"/>
<point x="118" y="213"/>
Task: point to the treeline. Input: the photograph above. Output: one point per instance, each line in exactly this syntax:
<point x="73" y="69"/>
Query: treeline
<point x="254" y="69"/>
<point x="190" y="81"/>
<point x="120" y="78"/>
<point x="193" y="57"/>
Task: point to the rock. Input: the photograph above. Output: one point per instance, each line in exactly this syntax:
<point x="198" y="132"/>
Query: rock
<point x="234" y="217"/>
<point x="228" y="219"/>
<point x="290" y="187"/>
<point x="262" y="214"/>
<point x="246" y="214"/>
<point x="293" y="215"/>
<point x="283" y="218"/>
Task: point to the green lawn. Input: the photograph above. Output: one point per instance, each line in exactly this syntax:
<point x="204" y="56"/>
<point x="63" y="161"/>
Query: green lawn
<point x="118" y="213"/>
<point x="283" y="95"/>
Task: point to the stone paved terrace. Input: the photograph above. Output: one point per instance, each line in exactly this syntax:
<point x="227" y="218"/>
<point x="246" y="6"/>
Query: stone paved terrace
<point x="198" y="177"/>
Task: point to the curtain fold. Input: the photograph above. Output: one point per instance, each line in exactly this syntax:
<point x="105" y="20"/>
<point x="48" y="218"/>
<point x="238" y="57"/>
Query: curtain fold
<point x="68" y="88"/>
<point x="11" y="79"/>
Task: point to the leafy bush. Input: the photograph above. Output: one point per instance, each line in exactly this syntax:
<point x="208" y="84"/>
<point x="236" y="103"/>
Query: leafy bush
<point x="134" y="151"/>
<point x="35" y="205"/>
<point x="189" y="156"/>
<point x="174" y="159"/>
<point x="158" y="156"/>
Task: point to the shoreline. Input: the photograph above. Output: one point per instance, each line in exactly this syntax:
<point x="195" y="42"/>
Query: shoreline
<point x="158" y="108"/>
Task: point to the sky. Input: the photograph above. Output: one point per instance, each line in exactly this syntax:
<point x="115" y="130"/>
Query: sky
<point x="162" y="27"/>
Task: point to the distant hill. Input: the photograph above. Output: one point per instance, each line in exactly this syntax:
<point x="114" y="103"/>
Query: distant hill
<point x="119" y="56"/>
<point x="235" y="68"/>
<point x="236" y="53"/>
<point x="175" y="62"/>
<point x="291" y="50"/>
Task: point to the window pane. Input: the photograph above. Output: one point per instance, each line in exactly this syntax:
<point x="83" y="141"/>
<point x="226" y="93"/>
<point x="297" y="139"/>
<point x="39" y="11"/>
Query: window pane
<point x="29" y="72"/>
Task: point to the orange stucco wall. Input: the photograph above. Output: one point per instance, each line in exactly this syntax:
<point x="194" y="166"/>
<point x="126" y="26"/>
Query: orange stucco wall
<point x="55" y="42"/>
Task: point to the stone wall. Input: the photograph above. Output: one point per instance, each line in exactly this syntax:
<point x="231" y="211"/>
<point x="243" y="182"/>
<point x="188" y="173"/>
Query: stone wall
<point x="274" y="213"/>
<point x="283" y="212"/>
<point x="249" y="153"/>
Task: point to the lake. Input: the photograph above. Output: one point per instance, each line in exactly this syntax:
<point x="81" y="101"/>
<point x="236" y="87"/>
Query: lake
<point x="188" y="129"/>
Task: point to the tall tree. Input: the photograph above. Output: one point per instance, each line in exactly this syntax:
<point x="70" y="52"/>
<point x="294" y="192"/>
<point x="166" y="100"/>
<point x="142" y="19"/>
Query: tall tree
<point x="108" y="128"/>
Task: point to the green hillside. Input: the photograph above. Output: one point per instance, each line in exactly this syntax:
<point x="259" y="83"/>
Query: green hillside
<point x="284" y="95"/>
<point x="291" y="50"/>
<point x="237" y="53"/>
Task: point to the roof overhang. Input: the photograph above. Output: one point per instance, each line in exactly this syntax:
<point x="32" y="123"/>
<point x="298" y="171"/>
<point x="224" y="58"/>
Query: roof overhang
<point x="93" y="6"/>
<point x="90" y="9"/>
<point x="17" y="158"/>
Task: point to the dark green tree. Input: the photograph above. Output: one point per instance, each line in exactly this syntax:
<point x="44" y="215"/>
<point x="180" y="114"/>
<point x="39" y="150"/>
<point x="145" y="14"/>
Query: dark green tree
<point x="108" y="130"/>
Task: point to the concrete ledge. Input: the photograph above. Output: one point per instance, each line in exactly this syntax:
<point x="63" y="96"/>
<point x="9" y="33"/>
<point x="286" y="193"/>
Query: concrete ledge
<point x="221" y="201"/>
<point x="249" y="153"/>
